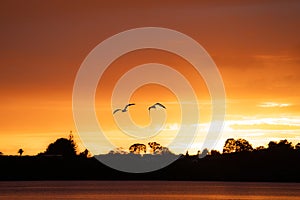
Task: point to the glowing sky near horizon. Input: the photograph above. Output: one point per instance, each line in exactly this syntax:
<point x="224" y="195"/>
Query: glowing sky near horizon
<point x="255" y="45"/>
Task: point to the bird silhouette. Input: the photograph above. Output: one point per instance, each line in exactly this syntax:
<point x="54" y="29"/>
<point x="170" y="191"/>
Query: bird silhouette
<point x="124" y="109"/>
<point x="155" y="105"/>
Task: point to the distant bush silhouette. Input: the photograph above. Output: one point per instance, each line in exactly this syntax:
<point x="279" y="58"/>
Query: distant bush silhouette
<point x="118" y="151"/>
<point x="282" y="145"/>
<point x="215" y="153"/>
<point x="85" y="154"/>
<point x="20" y="152"/>
<point x="155" y="149"/>
<point x="1" y="153"/>
<point x="62" y="146"/>
<point x="259" y="148"/>
<point x="164" y="151"/>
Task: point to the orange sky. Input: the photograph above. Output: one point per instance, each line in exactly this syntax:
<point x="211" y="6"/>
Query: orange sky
<point x="255" y="45"/>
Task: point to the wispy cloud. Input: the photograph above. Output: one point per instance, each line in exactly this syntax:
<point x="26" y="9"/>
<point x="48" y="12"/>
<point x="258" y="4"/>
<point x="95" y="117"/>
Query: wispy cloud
<point x="280" y="123"/>
<point x="275" y="58"/>
<point x="275" y="121"/>
<point x="273" y="104"/>
<point x="265" y="127"/>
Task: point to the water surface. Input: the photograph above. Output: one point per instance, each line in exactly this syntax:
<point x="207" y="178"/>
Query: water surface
<point x="146" y="190"/>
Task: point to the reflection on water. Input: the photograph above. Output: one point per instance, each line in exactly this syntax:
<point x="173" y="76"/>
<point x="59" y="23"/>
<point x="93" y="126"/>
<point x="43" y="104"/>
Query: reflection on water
<point x="146" y="190"/>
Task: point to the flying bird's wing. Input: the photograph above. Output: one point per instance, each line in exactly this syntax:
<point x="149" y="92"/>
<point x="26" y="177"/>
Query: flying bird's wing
<point x="153" y="106"/>
<point x="116" y="110"/>
<point x="131" y="104"/>
<point x="149" y="108"/>
<point x="159" y="104"/>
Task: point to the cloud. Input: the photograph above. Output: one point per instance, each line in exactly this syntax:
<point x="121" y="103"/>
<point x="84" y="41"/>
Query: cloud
<point x="264" y="126"/>
<point x="273" y="105"/>
<point x="281" y="123"/>
<point x="275" y="58"/>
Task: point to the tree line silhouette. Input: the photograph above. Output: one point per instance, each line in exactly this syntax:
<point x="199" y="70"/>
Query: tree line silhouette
<point x="239" y="161"/>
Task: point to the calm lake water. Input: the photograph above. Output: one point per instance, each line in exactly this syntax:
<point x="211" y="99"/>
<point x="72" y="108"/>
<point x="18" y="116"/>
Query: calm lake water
<point x="146" y="190"/>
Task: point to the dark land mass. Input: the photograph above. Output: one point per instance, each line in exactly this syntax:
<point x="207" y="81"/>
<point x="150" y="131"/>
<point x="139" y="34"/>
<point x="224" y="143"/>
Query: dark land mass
<point x="280" y="162"/>
<point x="261" y="165"/>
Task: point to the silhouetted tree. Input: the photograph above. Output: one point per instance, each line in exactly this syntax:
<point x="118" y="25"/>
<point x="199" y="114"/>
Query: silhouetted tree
<point x="297" y="147"/>
<point x="62" y="146"/>
<point x="85" y="154"/>
<point x="239" y="145"/>
<point x="137" y="148"/>
<point x="187" y="154"/>
<point x="21" y="151"/>
<point x="229" y="146"/>
<point x="272" y="145"/>
<point x="204" y="153"/>
<point x="215" y="153"/>
<point x="259" y="148"/>
<point x="243" y="145"/>
<point x="282" y="145"/>
<point x="1" y="153"/>
<point x="163" y="151"/>
<point x="155" y="147"/>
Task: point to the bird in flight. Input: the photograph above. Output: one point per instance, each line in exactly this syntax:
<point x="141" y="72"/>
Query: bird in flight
<point x="124" y="109"/>
<point x="155" y="105"/>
